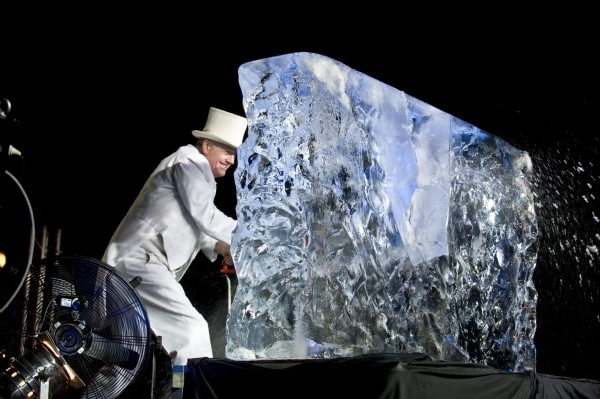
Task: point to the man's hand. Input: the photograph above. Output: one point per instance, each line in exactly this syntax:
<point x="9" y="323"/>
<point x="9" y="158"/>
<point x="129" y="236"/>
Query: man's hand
<point x="224" y="250"/>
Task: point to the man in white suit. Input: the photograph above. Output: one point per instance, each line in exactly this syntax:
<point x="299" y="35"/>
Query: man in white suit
<point x="172" y="219"/>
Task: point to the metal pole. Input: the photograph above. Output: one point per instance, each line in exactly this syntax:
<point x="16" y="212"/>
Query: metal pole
<point x="44" y="243"/>
<point x="58" y="237"/>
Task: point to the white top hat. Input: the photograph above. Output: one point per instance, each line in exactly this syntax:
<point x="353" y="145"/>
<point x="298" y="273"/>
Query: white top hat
<point x="224" y="127"/>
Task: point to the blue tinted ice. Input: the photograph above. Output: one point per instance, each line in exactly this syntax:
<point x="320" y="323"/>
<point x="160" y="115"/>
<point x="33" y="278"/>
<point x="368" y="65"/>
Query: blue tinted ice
<point x="370" y="221"/>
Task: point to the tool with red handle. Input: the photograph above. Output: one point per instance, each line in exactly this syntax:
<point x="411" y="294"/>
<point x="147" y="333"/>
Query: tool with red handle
<point x="226" y="270"/>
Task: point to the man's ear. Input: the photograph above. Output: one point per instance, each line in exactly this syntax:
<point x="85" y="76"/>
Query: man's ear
<point x="204" y="146"/>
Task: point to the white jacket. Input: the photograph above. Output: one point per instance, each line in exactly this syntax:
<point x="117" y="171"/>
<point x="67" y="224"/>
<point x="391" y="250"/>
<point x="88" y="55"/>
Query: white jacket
<point x="175" y="205"/>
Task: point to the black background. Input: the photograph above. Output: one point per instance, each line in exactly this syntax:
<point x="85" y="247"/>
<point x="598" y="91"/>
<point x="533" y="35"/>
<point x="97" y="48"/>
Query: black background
<point x="102" y="95"/>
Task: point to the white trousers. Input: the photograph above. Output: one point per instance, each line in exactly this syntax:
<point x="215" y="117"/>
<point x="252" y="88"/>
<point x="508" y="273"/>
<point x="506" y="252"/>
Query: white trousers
<point x="183" y="330"/>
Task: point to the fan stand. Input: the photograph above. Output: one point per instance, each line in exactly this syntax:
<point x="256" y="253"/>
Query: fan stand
<point x="161" y="372"/>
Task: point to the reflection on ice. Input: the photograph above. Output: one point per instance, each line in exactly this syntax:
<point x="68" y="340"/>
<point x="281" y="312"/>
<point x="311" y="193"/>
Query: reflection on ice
<point x="370" y="221"/>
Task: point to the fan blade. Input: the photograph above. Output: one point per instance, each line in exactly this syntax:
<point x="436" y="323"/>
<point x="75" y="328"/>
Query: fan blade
<point x="112" y="352"/>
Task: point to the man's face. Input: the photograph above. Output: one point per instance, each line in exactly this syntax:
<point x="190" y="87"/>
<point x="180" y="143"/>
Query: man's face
<point x="220" y="156"/>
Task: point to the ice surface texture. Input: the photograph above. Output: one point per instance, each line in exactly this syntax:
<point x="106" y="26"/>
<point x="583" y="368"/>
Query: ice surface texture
<point x="370" y="221"/>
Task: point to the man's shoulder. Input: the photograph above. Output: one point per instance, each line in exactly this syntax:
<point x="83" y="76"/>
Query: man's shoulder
<point x="185" y="151"/>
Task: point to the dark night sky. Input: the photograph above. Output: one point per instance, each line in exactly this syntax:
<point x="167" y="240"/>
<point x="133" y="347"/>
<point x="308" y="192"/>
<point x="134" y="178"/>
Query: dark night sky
<point x="101" y="101"/>
<point x="98" y="113"/>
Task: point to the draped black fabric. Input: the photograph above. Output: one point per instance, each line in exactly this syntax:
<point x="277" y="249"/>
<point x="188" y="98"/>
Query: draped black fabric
<point x="373" y="376"/>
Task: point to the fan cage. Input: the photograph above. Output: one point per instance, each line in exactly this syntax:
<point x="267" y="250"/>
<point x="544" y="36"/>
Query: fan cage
<point x="93" y="318"/>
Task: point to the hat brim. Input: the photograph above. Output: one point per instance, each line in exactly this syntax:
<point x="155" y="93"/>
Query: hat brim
<point x="208" y="135"/>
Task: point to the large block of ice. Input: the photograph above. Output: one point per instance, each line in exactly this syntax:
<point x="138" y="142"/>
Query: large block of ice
<point x="370" y="221"/>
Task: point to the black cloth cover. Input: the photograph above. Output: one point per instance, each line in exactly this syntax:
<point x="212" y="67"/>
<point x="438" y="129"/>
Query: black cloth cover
<point x="373" y="376"/>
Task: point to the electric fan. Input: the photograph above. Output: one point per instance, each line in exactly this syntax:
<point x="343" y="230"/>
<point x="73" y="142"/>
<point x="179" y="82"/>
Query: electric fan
<point x="76" y="329"/>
